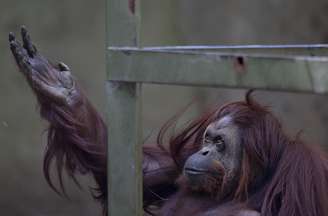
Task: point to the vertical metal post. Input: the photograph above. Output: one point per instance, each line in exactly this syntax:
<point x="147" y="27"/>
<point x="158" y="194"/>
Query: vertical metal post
<point x="124" y="147"/>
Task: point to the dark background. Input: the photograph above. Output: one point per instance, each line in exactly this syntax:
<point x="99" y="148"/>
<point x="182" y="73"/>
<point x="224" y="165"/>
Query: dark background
<point x="74" y="32"/>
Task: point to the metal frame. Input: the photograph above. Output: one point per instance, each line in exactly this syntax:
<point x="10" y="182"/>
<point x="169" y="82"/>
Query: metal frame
<point x="300" y="68"/>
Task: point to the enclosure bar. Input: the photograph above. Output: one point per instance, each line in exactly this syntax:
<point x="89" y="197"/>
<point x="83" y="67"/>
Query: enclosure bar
<point x="250" y="46"/>
<point x="309" y="50"/>
<point x="288" y="73"/>
<point x="124" y="149"/>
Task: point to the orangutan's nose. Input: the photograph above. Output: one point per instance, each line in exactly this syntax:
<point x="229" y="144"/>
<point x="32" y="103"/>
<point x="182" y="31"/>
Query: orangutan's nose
<point x="205" y="152"/>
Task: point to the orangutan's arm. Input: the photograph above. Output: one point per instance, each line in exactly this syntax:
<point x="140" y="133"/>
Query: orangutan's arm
<point x="77" y="134"/>
<point x="159" y="174"/>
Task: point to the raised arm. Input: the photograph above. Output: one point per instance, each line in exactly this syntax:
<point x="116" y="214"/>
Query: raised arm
<point x="77" y="134"/>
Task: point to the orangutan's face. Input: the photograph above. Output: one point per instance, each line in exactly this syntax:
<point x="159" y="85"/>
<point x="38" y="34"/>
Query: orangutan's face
<point x="214" y="168"/>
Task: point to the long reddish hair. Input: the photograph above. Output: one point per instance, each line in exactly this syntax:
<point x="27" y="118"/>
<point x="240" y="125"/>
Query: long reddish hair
<point x="280" y="176"/>
<point x="74" y="146"/>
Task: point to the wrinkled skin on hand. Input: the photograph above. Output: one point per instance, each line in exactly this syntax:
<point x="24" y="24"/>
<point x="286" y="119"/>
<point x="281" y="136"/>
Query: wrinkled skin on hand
<point x="48" y="81"/>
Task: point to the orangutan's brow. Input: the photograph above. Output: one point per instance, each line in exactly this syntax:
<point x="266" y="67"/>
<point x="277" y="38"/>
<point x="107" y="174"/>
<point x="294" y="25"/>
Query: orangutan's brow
<point x="223" y="122"/>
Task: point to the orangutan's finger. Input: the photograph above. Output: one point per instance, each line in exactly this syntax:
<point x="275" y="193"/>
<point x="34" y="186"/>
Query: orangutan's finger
<point x="17" y="50"/>
<point x="13" y="45"/>
<point x="11" y="37"/>
<point x="20" y="55"/>
<point x="27" y="43"/>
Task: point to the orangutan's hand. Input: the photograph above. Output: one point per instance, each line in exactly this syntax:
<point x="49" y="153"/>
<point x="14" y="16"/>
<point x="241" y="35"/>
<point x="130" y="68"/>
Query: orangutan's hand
<point x="50" y="83"/>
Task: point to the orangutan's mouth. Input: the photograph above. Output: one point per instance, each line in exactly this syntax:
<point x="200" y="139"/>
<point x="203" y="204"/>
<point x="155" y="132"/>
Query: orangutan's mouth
<point x="193" y="171"/>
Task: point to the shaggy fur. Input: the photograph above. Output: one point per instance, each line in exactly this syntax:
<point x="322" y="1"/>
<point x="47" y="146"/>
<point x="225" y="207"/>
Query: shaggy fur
<point x="280" y="176"/>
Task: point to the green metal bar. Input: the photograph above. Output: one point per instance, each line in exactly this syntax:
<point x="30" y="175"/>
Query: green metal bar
<point x="121" y="24"/>
<point x="288" y="73"/>
<point x="309" y="50"/>
<point x="124" y="149"/>
<point x="124" y="146"/>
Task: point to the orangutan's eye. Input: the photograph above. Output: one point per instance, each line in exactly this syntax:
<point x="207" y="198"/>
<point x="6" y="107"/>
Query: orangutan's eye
<point x="207" y="139"/>
<point x="219" y="143"/>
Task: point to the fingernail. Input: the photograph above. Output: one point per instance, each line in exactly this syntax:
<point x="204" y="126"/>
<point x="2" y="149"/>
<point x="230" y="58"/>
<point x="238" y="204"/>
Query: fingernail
<point x="23" y="29"/>
<point x="11" y="36"/>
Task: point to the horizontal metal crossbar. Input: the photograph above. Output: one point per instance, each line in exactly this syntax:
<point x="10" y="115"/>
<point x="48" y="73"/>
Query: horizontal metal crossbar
<point x="297" y="49"/>
<point x="246" y="67"/>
